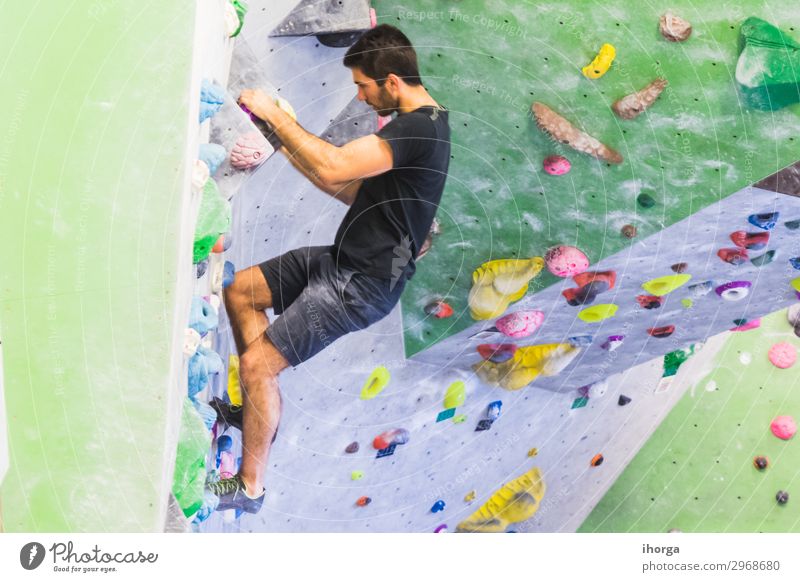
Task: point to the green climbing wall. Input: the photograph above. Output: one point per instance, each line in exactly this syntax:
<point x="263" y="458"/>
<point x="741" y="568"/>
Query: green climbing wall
<point x="92" y="170"/>
<point x="487" y="61"/>
<point x="696" y="472"/>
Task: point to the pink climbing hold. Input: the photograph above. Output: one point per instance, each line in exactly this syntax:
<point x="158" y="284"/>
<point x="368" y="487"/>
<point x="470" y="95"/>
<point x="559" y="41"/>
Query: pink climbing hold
<point x="566" y="261"/>
<point x="520" y="323"/>
<point x="783" y="355"/>
<point x="556" y="165"/>
<point x="783" y="427"/>
<point x="373" y="18"/>
<point x="249" y="151"/>
<point x="753" y="324"/>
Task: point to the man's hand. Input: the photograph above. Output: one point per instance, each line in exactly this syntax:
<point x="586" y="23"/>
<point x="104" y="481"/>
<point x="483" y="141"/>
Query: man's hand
<point x="259" y="103"/>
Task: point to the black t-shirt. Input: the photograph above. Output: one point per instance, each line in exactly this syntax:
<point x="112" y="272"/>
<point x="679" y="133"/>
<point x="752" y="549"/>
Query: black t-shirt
<point x="382" y="233"/>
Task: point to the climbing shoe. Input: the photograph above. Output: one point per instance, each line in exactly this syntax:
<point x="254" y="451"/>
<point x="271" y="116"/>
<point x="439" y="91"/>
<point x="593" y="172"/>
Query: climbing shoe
<point x="227" y="413"/>
<point x="232" y="495"/>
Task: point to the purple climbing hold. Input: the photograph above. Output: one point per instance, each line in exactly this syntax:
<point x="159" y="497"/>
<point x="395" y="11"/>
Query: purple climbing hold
<point x="734" y="291"/>
<point x="351" y="448"/>
<point x="765" y="220"/>
<point x="613" y="342"/>
<point x="441" y="529"/>
<point x="438" y="506"/>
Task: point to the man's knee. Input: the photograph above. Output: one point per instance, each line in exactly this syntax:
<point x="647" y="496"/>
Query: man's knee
<point x="261" y="360"/>
<point x="249" y="289"/>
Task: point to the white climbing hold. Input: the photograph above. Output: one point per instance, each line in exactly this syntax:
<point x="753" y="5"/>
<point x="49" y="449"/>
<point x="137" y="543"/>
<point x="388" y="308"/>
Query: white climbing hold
<point x="745" y="358"/>
<point x="200" y="175"/>
<point x="711" y="386"/>
<point x="231" y="20"/>
<point x="597" y="389"/>
<point x="191" y="341"/>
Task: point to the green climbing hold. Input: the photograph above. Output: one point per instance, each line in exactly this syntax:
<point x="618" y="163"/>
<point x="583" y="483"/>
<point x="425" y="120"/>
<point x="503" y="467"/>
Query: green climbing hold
<point x="456" y="395"/>
<point x="674" y="360"/>
<point x="764" y="259"/>
<point x="241" y="10"/>
<point x="460" y="418"/>
<point x="645" y="200"/>
<point x="664" y="285"/>
<point x="598" y="313"/>
<point x="357" y="475"/>
<point x="687" y="303"/>
<point x="375" y="384"/>
<point x="768" y="70"/>
<point x="189" y="478"/>
<point x="213" y="219"/>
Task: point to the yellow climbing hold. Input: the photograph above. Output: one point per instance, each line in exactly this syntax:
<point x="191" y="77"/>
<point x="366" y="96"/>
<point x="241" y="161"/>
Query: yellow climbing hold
<point x="597" y="313"/>
<point x="356" y="475"/>
<point x="601" y="63"/>
<point x="796" y="284"/>
<point x="470" y="497"/>
<point x="375" y="384"/>
<point x="533" y="452"/>
<point x="687" y="303"/>
<point x="455" y="396"/>
<point x="527" y="364"/>
<point x="496" y="284"/>
<point x="663" y="285"/>
<point x="460" y="418"/>
<point x="515" y="501"/>
<point x="234" y="387"/>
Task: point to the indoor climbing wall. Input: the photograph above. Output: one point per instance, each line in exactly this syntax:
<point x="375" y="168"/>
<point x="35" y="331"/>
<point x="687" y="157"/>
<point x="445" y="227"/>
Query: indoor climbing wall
<point x="701" y="470"/>
<point x="489" y="61"/>
<point x="94" y="195"/>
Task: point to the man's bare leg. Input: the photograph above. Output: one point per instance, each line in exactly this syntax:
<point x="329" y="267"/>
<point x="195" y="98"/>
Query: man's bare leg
<point x="246" y="299"/>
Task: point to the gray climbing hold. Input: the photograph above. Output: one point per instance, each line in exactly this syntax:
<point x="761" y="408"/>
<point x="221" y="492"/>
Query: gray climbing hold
<point x="356" y="120"/>
<point x="324" y="17"/>
<point x="623" y="400"/>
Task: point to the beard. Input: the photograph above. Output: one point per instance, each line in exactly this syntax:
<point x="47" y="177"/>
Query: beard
<point x="386" y="104"/>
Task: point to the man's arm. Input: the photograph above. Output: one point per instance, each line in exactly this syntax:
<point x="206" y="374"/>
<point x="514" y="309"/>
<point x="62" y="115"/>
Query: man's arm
<point x="330" y="165"/>
<point x="345" y="193"/>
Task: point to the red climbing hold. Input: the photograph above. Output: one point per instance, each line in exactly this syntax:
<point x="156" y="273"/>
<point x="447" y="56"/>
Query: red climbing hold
<point x="783" y="427"/>
<point x="590" y="285"/>
<point x="733" y="256"/>
<point x="679" y="267"/>
<point x="363" y="501"/>
<point x="219" y="246"/>
<point x="629" y="231"/>
<point x="396" y="436"/>
<point x="497" y="353"/>
<point x="665" y="331"/>
<point x="750" y="240"/>
<point x="650" y="301"/>
<point x="439" y="309"/>
<point x="597" y="460"/>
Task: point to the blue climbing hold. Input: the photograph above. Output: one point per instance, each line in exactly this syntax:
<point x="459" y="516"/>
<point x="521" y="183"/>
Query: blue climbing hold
<point x="227" y="275"/>
<point x="766" y="220"/>
<point x="202" y="316"/>
<point x="207" y="414"/>
<point x="581" y="341"/>
<point x="792" y="224"/>
<point x="438" y="506"/>
<point x="202" y="267"/>
<point x="213" y="155"/>
<point x="211" y="98"/>
<point x="493" y="410"/>
<point x="204" y="364"/>
<point x="224" y="443"/>
<point x="795" y="262"/>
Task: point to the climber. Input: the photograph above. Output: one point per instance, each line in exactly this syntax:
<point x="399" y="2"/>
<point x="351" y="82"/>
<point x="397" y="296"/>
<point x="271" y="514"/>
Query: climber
<point x="393" y="182"/>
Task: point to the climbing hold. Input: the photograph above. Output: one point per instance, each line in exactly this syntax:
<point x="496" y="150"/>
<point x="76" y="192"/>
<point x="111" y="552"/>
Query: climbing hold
<point x="675" y="359"/>
<point x="356" y="475"/>
<point x="783" y="355"/>
<point x="579" y="402"/>
<point x="745" y="358"/>
<point x="438" y="506"/>
<point x="515" y="501"/>
<point x="441" y="528"/>
<point x="470" y="497"/>
<point x="753" y="241"/>
<point x="227" y="465"/>
<point x="211" y="98"/>
<point x="363" y="501"/>
<point x="687" y="303"/>
<point x="735" y="256"/>
<point x="783" y="427"/>
<point x="234" y="388"/>
<point x="645" y="200"/>
<point x="601" y="63"/>
<point x="492" y="414"/>
<point x="766" y="220"/>
<point x="213" y="155"/>
<point x="456" y="395"/>
<point x="202" y="365"/>
<point x="533" y="452"/>
<point x="460" y="418"/>
<point x="497" y="353"/>
<point x="396" y="436"/>
<point x="760" y="463"/>
<point x="228" y="274"/>
<point x="202" y="316"/>
<point x="556" y="165"/>
<point x="527" y="364"/>
<point x="201" y="268"/>
<point x="767" y="69"/>
<point x="213" y="219"/>
<point x="563" y="131"/>
<point x="796" y="285"/>
<point x="200" y="174"/>
<point x="219" y="246"/>
<point x="520" y="323"/>
<point x="445" y="414"/>
<point x="734" y="291"/>
<point x="792" y="224"/>
<point x="795" y="262"/>
<point x="580" y="341"/>
<point x="649" y="301"/>
<point x="747" y="325"/>
<point x="793" y="315"/>
<point x="782" y="497"/>
<point x="375" y="384"/>
<point x="623" y="400"/>
<point x="565" y="261"/>
<point x="660" y="332"/>
<point x="351" y="448"/>
<point x="240" y="9"/>
<point x="633" y="105"/>
<point x="231" y="20"/>
<point x="250" y="150"/>
<point x="191" y="340"/>
<point x="590" y="285"/>
<point x="597" y="460"/>
<point x="664" y="285"/>
<point x="598" y="313"/>
<point x="679" y="267"/>
<point x="496" y="284"/>
<point x="439" y="309"/>
<point x="674" y="28"/>
<point x="700" y="289"/>
<point x="596" y="389"/>
<point x="613" y="342"/>
<point x="764" y="259"/>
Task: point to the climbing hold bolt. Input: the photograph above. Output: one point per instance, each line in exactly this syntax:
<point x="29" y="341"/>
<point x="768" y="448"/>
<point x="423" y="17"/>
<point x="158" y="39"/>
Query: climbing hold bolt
<point x="782" y="497"/>
<point x="760" y="462"/>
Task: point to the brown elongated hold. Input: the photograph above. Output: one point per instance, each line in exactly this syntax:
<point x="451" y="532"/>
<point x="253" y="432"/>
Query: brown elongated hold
<point x="633" y="105"/>
<point x="562" y="130"/>
<point x="674" y="28"/>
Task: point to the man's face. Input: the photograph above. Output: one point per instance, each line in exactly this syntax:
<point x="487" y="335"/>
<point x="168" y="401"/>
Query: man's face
<point x="377" y="97"/>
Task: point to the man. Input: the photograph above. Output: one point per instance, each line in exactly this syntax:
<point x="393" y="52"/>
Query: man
<point x="393" y="182"/>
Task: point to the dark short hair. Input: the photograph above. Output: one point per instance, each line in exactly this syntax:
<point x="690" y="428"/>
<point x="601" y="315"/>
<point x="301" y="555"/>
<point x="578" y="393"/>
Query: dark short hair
<point x="383" y="50"/>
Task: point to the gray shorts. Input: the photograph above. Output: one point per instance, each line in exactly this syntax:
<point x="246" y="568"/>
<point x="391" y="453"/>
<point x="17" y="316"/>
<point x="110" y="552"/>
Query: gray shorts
<point x="318" y="301"/>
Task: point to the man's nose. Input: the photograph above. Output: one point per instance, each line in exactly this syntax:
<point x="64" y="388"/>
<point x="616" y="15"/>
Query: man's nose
<point x="361" y="96"/>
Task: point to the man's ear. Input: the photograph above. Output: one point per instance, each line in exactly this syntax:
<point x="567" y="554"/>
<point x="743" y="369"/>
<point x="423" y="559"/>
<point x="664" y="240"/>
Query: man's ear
<point x="393" y="82"/>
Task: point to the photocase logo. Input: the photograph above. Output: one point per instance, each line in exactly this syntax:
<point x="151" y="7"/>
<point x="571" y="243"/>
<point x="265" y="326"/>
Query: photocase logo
<point x="402" y="256"/>
<point x="31" y="555"/>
